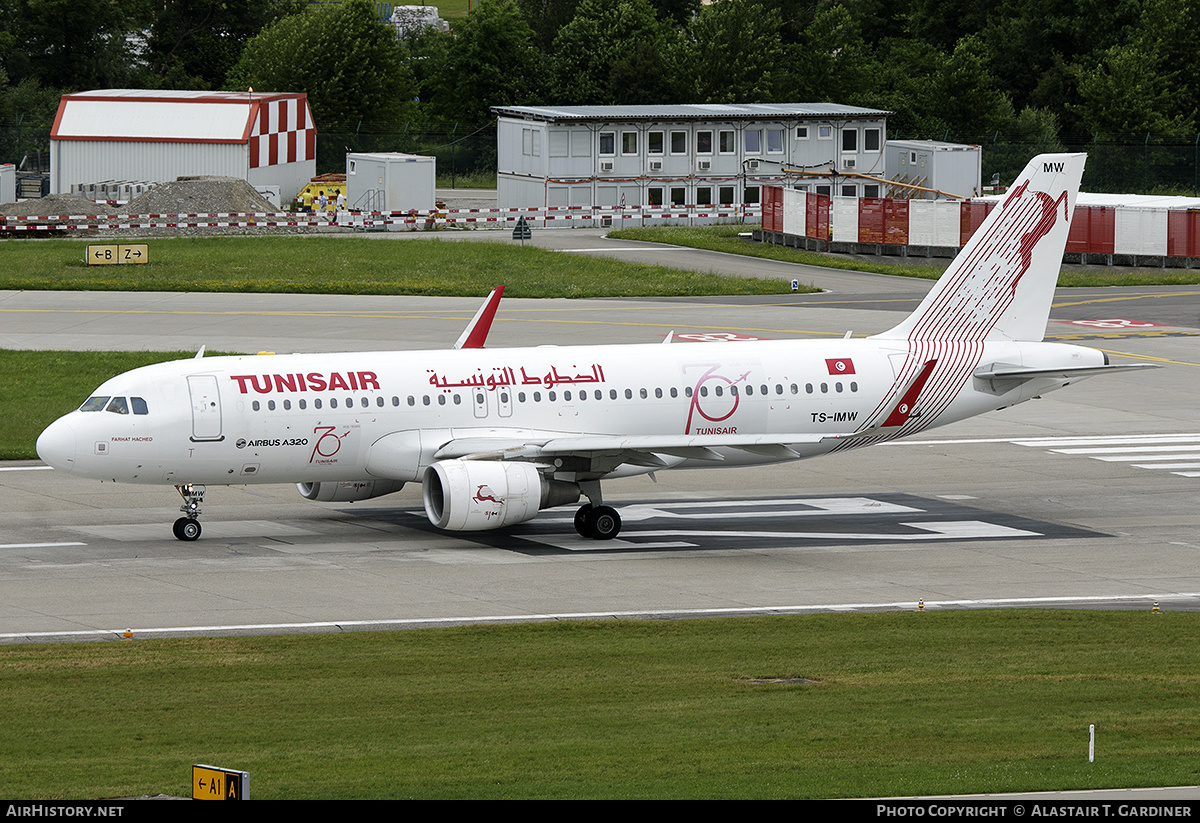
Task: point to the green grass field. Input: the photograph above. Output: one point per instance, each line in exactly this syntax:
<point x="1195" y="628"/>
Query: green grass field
<point x="725" y="239"/>
<point x="30" y="402"/>
<point x="356" y="265"/>
<point x="897" y="704"/>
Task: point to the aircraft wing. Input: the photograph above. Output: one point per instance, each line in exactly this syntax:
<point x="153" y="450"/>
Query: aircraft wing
<point x="642" y="450"/>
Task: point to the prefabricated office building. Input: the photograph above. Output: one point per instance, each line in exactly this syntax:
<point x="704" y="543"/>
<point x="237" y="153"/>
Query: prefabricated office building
<point x="157" y="136"/>
<point x="698" y="156"/>
<point x="684" y="155"/>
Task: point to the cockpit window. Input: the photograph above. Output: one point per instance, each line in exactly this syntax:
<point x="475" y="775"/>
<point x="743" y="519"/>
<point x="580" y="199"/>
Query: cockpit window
<point x="139" y="405"/>
<point x="119" y="405"/>
<point x="95" y="403"/>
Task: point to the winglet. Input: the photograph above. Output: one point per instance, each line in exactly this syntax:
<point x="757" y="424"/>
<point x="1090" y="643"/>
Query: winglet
<point x="476" y="332"/>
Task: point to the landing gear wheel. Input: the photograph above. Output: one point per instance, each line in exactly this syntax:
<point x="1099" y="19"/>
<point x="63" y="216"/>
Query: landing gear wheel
<point x="581" y="525"/>
<point x="603" y="522"/>
<point x="187" y="529"/>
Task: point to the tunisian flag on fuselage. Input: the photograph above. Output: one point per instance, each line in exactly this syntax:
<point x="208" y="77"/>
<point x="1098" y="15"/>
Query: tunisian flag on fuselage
<point x="840" y="365"/>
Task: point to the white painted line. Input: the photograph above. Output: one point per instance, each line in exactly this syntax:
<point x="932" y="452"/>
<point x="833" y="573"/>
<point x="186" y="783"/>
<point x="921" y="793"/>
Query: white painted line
<point x="1054" y="441"/>
<point x="26" y="468"/>
<point x="587" y="545"/>
<point x="418" y="622"/>
<point x="37" y="545"/>
<point x="1125" y="450"/>
<point x="1109" y="440"/>
<point x="1142" y="455"/>
<point x="1167" y="465"/>
<point x="945" y="530"/>
<point x="1188" y="474"/>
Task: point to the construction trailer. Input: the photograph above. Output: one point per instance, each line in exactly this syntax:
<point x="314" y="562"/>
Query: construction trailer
<point x="390" y="182"/>
<point x="933" y="169"/>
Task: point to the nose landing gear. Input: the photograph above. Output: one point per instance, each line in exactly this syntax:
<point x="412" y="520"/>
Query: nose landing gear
<point x="187" y="528"/>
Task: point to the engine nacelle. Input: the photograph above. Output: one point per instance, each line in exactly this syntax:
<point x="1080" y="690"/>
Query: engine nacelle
<point x="474" y="495"/>
<point x="349" y="490"/>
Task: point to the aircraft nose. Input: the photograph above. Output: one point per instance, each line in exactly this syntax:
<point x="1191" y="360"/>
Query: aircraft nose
<point x="56" y="445"/>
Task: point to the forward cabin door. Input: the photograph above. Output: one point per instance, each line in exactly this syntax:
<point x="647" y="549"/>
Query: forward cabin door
<point x="206" y="407"/>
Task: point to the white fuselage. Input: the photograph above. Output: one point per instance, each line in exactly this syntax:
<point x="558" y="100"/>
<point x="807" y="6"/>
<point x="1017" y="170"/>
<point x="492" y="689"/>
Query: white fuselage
<point x="315" y="417"/>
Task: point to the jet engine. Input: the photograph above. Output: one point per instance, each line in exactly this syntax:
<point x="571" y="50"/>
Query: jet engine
<point x="348" y="491"/>
<point x="473" y="495"/>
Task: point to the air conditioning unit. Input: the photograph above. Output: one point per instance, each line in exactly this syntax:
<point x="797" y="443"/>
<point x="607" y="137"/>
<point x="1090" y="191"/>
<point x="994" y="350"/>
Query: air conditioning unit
<point x="848" y="162"/>
<point x="704" y="165"/>
<point x="655" y="165"/>
<point x="606" y="165"/>
<point x="606" y="221"/>
<point x="752" y="165"/>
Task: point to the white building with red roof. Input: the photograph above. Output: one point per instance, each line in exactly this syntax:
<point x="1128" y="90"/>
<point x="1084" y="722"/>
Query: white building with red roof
<point x="156" y="136"/>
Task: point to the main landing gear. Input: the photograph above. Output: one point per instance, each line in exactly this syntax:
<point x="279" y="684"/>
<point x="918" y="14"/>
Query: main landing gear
<point x="188" y="527"/>
<point x="597" y="522"/>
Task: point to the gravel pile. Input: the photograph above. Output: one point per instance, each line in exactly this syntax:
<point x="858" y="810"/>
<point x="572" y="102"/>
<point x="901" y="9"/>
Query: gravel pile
<point x="53" y="204"/>
<point x="192" y="195"/>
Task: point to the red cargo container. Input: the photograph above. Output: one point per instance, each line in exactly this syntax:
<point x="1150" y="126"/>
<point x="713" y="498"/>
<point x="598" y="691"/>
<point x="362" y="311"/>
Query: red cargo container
<point x="870" y="220"/>
<point x="816" y="216"/>
<point x="971" y="217"/>
<point x="772" y="209"/>
<point x="1183" y="233"/>
<point x="1093" y="230"/>
<point x="895" y="222"/>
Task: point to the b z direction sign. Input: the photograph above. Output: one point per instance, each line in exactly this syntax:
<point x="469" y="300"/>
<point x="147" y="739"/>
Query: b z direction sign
<point x="112" y="255"/>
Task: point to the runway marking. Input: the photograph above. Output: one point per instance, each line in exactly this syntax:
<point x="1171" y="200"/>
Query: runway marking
<point x="1165" y="599"/>
<point x="25" y="468"/>
<point x="945" y="530"/>
<point x="1126" y="449"/>
<point x="1142" y="451"/>
<point x="37" y="545"/>
<point x="457" y="315"/>
<point x="212" y="528"/>
<point x="1124" y="298"/>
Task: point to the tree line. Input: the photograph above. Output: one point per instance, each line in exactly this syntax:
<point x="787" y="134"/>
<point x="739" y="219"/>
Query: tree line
<point x="1052" y="71"/>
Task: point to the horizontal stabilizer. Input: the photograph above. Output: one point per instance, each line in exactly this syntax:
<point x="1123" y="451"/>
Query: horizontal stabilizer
<point x="1002" y="371"/>
<point x="1003" y="376"/>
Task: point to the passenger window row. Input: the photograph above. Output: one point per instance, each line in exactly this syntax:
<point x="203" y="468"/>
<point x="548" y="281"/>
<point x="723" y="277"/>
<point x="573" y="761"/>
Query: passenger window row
<point x="552" y="396"/>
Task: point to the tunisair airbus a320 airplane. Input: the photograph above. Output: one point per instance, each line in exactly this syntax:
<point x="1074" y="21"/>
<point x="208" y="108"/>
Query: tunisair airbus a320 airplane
<point x="496" y="435"/>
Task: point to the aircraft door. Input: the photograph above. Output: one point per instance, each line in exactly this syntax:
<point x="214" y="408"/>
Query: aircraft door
<point x="206" y="407"/>
<point x="504" y="402"/>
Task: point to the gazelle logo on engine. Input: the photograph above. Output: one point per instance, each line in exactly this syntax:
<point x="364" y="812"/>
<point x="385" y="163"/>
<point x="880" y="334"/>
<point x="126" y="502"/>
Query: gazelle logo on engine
<point x="484" y="494"/>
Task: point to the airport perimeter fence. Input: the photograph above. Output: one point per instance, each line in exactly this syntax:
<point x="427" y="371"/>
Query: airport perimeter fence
<point x="462" y="152"/>
<point x="1116" y="164"/>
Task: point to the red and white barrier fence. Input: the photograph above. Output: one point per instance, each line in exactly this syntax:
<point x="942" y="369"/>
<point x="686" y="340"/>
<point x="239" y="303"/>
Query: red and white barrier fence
<point x="568" y="216"/>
